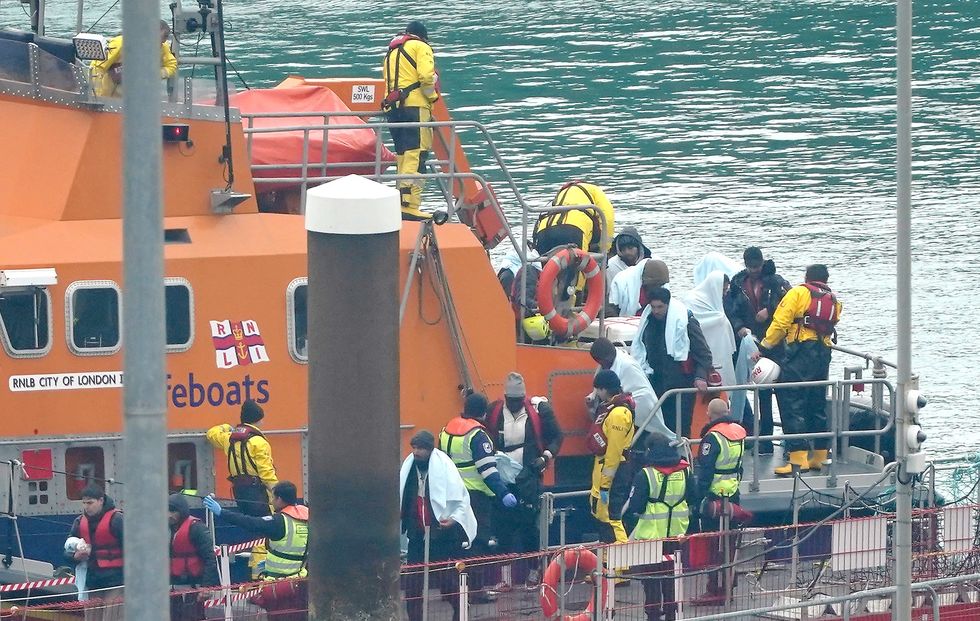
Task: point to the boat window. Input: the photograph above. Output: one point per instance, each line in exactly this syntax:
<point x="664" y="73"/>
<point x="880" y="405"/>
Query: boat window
<point x="38" y="493"/>
<point x="182" y="466"/>
<point x="25" y="321"/>
<point x="296" y="320"/>
<point x="180" y="315"/>
<point x="83" y="465"/>
<point x="94" y="317"/>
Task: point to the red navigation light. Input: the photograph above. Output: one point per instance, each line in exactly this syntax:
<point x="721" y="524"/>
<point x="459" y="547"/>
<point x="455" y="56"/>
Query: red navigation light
<point x="176" y="132"/>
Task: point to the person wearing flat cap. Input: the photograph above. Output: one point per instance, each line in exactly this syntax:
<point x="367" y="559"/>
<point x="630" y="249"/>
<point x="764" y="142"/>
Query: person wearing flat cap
<point x="527" y="431"/>
<point x="466" y="442"/>
<point x="433" y="499"/>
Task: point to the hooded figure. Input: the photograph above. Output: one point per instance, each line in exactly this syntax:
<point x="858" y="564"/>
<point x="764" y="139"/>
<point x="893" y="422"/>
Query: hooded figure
<point x="192" y="559"/>
<point x="714" y="261"/>
<point x="707" y="302"/>
<point x="629" y="250"/>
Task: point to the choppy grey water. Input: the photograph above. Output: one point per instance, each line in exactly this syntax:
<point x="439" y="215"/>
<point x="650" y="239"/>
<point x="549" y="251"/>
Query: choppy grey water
<point x="711" y="125"/>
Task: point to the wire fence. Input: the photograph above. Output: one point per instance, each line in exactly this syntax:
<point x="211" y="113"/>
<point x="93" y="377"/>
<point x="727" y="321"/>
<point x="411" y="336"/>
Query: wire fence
<point x="842" y="569"/>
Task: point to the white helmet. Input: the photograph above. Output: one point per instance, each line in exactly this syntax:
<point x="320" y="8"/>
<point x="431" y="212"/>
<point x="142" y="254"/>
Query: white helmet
<point x="766" y="371"/>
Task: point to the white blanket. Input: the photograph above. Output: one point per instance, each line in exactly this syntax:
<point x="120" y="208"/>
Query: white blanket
<point x="635" y="382"/>
<point x="675" y="335"/>
<point x="447" y="494"/>
<point x="743" y="368"/>
<point x="624" y="290"/>
<point x="714" y="261"/>
<point x="81" y="569"/>
<point x="706" y="302"/>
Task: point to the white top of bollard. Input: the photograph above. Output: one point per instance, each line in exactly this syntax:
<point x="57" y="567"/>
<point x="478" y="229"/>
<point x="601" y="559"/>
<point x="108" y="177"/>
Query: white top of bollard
<point x="353" y="205"/>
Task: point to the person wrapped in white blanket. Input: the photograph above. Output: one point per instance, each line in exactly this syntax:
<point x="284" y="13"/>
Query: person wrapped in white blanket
<point x="434" y="503"/>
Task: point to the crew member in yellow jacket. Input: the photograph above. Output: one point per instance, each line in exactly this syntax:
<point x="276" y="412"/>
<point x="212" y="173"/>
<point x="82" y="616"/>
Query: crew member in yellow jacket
<point x="806" y="319"/>
<point x="615" y="425"/>
<point x="409" y="70"/>
<point x="250" y="469"/>
<point x="107" y="74"/>
<point x="581" y="227"/>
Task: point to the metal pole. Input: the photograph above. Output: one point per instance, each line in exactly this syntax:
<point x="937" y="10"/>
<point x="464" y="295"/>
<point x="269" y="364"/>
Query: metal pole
<point x="425" y="575"/>
<point x="144" y="463"/>
<point x="79" y="14"/>
<point x="902" y="606"/>
<point x="353" y="227"/>
<point x="225" y="576"/>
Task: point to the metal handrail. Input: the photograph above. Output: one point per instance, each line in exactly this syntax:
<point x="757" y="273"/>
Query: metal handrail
<point x="876" y="360"/>
<point x="834" y="433"/>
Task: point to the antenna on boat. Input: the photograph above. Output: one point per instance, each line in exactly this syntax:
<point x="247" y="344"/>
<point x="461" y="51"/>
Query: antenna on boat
<point x="221" y="74"/>
<point x="208" y="19"/>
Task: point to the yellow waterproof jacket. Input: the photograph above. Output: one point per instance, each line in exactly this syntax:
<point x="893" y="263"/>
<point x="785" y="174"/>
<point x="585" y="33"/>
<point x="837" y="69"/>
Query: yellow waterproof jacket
<point x="580" y="193"/>
<point x="258" y="449"/>
<point x="618" y="428"/>
<point x="413" y="63"/>
<point x="103" y="84"/>
<point x="784" y="321"/>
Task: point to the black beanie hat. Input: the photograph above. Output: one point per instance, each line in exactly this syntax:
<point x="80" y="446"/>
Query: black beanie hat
<point x="417" y="28"/>
<point x="475" y="406"/>
<point x="608" y="380"/>
<point x="251" y="412"/>
<point x="424" y="440"/>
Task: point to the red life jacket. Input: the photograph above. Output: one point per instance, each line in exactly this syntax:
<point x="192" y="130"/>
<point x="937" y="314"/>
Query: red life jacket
<point x="106" y="548"/>
<point x="596" y="440"/>
<point x="821" y="316"/>
<point x="494" y="423"/>
<point x="239" y="456"/>
<point x="184" y="559"/>
<point x="394" y="96"/>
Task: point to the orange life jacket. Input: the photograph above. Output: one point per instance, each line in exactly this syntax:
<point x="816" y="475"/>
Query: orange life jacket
<point x="106" y="548"/>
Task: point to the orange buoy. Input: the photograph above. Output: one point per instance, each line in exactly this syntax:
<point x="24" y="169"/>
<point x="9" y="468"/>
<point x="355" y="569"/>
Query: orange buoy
<point x="594" y="287"/>
<point x="581" y="560"/>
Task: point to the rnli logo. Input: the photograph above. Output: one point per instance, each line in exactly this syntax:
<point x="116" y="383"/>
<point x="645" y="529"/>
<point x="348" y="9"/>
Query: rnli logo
<point x="237" y="343"/>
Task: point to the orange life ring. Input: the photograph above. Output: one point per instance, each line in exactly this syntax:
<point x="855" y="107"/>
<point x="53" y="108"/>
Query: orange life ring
<point x="594" y="287"/>
<point x="580" y="560"/>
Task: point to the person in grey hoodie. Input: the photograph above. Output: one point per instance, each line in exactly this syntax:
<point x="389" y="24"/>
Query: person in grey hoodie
<point x="629" y="249"/>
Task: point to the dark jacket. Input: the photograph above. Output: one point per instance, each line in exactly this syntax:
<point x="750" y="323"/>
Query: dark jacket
<point x="738" y="303"/>
<point x="667" y="372"/>
<point x="108" y="577"/>
<point x="271" y="526"/>
<point x="707" y="457"/>
<point x="201" y="540"/>
<point x="667" y="461"/>
<point x="514" y="293"/>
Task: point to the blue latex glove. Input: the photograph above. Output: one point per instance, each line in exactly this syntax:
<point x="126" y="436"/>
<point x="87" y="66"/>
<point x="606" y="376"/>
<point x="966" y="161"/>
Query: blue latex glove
<point x="212" y="505"/>
<point x="510" y="501"/>
<point x="604" y="496"/>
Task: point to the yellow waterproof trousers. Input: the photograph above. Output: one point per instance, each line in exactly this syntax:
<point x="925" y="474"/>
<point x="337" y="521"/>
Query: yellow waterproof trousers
<point x="412" y="147"/>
